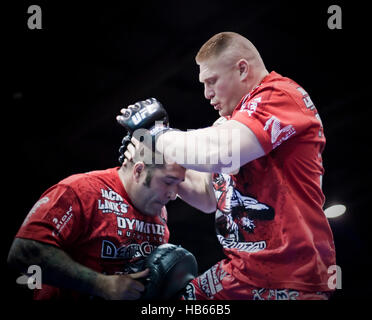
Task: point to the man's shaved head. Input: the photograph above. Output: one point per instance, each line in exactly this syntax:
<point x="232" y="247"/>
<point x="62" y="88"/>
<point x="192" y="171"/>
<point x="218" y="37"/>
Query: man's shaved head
<point x="233" y="45"/>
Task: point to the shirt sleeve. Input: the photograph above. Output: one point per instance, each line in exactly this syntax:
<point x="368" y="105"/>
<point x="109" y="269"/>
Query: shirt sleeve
<point x="273" y="115"/>
<point x="55" y="218"/>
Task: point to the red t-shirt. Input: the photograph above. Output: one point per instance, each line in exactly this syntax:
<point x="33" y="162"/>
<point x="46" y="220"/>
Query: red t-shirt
<point x="90" y="217"/>
<point x="270" y="220"/>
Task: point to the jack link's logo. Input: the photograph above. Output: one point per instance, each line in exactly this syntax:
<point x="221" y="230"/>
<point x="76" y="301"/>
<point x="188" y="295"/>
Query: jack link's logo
<point x="112" y="202"/>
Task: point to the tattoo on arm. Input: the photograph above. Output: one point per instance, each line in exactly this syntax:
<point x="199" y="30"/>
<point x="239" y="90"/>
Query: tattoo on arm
<point x="58" y="268"/>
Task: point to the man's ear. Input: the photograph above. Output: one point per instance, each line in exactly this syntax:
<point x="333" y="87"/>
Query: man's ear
<point x="137" y="170"/>
<point x="243" y="68"/>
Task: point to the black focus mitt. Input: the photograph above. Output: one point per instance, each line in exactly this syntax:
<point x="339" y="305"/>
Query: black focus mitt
<point x="171" y="269"/>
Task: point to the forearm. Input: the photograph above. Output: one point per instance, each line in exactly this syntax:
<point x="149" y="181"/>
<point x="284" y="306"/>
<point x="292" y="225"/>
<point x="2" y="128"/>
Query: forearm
<point x="205" y="150"/>
<point x="197" y="191"/>
<point x="221" y="149"/>
<point x="58" y="268"/>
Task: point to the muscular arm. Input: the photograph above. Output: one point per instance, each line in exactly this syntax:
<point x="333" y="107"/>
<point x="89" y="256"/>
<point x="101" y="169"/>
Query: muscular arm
<point x="215" y="149"/>
<point x="60" y="270"/>
<point x="197" y="191"/>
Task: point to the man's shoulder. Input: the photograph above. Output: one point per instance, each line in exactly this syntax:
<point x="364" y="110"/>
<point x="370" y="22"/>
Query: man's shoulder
<point x="90" y="179"/>
<point x="276" y="82"/>
<point x="279" y="88"/>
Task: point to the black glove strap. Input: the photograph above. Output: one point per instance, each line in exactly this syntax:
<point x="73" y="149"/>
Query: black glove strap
<point x="160" y="132"/>
<point x="155" y="132"/>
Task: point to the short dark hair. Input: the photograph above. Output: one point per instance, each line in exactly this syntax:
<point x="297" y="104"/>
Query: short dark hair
<point x="149" y="175"/>
<point x="149" y="165"/>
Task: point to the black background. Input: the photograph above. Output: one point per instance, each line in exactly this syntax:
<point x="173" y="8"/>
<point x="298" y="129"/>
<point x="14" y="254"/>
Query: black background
<point x="65" y="84"/>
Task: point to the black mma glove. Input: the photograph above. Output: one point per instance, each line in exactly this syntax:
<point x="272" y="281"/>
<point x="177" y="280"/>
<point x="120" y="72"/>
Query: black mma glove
<point x="147" y="114"/>
<point x="143" y="115"/>
<point x="123" y="147"/>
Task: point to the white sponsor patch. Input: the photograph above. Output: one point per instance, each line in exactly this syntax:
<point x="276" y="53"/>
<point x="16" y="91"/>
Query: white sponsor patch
<point x="36" y="206"/>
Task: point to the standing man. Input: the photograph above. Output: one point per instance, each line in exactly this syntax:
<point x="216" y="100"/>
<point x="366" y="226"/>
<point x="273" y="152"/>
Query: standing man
<point x="268" y="197"/>
<point x="90" y="233"/>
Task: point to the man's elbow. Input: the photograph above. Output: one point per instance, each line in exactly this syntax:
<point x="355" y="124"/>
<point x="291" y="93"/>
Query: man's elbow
<point x="22" y="254"/>
<point x="13" y="259"/>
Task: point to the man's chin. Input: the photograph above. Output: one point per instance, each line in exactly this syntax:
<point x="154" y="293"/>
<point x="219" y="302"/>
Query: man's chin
<point x="222" y="113"/>
<point x="225" y="112"/>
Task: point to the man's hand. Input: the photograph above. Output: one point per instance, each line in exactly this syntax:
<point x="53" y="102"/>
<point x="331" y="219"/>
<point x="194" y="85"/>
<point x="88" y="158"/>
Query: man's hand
<point x="143" y="115"/>
<point x="122" y="287"/>
<point x="147" y="114"/>
<point x="130" y="149"/>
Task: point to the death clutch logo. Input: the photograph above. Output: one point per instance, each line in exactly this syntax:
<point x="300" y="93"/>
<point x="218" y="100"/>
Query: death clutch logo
<point x="237" y="214"/>
<point x="128" y="251"/>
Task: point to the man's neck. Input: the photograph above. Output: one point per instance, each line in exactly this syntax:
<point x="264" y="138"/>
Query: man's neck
<point x="259" y="78"/>
<point x="124" y="180"/>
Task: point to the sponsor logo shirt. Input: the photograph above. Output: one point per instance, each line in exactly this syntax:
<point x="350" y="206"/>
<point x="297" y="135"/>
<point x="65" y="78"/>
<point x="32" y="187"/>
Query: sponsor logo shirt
<point x="91" y="217"/>
<point x="269" y="216"/>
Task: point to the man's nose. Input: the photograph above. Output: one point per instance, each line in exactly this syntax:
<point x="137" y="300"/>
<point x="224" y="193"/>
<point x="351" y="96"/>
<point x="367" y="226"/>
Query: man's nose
<point x="208" y="93"/>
